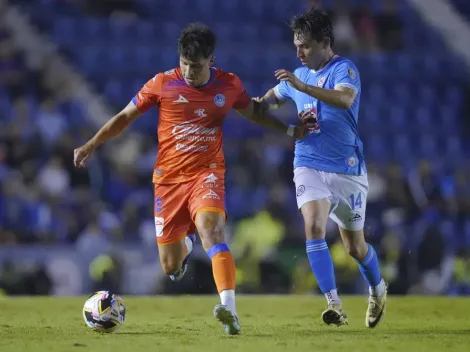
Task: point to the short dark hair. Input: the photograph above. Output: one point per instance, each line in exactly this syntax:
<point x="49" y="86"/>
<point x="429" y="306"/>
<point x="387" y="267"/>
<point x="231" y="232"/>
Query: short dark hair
<point x="314" y="24"/>
<point x="196" y="42"/>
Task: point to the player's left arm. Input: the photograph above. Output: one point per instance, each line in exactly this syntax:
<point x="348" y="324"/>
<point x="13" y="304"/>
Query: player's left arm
<point x="258" y="114"/>
<point x="343" y="94"/>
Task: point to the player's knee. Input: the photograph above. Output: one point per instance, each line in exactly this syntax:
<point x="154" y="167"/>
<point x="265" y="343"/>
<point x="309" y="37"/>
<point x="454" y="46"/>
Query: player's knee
<point x="356" y="248"/>
<point x="353" y="250"/>
<point x="170" y="265"/>
<point x="315" y="229"/>
<point x="210" y="228"/>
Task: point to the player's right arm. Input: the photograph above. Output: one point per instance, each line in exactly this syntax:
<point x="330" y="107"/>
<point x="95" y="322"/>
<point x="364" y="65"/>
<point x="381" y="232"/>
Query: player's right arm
<point x="271" y="100"/>
<point x="148" y="97"/>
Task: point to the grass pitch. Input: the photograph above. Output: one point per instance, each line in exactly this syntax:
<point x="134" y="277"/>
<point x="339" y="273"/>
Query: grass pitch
<point x="269" y="323"/>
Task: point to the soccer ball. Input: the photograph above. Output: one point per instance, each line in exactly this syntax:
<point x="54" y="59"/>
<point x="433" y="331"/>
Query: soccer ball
<point x="104" y="311"/>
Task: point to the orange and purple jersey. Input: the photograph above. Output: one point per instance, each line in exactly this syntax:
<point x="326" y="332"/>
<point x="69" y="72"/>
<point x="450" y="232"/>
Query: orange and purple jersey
<point x="190" y="122"/>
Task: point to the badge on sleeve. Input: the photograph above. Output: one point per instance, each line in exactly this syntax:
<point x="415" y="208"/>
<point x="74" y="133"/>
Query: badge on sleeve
<point x="351" y="73"/>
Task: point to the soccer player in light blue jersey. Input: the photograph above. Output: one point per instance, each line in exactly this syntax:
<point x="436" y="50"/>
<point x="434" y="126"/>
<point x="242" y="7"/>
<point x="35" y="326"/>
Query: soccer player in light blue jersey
<point x="329" y="168"/>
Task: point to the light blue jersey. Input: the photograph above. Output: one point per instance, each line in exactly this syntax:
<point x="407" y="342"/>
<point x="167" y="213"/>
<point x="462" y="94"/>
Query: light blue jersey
<point x="334" y="145"/>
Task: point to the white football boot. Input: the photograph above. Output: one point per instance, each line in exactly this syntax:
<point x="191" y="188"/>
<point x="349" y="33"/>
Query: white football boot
<point x="228" y="319"/>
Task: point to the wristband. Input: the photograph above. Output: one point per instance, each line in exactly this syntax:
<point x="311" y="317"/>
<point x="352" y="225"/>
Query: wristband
<point x="291" y="130"/>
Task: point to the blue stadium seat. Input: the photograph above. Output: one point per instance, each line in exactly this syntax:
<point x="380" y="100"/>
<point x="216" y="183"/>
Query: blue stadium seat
<point x="427" y="94"/>
<point x="65" y="30"/>
<point x="402" y="94"/>
<point x="401" y="146"/>
<point x="398" y="119"/>
<point x="171" y="31"/>
<point x="428" y="145"/>
<point x="453" y="146"/>
<point x="95" y="28"/>
<point x="423" y="117"/>
<point x="113" y="91"/>
<point x="376" y="93"/>
<point x="454" y="95"/>
<point x="145" y="32"/>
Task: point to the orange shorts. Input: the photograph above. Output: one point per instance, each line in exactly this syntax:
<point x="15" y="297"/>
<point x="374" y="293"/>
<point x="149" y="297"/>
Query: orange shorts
<point x="176" y="205"/>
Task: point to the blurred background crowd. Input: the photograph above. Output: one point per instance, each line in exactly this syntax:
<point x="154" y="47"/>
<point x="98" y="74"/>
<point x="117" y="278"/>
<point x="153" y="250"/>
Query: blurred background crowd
<point x="60" y="225"/>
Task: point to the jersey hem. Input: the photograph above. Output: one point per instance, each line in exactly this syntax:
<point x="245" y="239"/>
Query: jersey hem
<point x="332" y="170"/>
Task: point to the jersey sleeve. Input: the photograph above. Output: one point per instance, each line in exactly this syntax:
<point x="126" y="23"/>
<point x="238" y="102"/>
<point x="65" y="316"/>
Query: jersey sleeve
<point x="242" y="99"/>
<point x="346" y="75"/>
<point x="282" y="91"/>
<point x="150" y="94"/>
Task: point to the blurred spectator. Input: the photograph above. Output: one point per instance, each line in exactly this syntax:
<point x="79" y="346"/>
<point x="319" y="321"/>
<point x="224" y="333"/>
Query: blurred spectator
<point x="424" y="186"/>
<point x="53" y="178"/>
<point x="254" y="239"/>
<point x="92" y="242"/>
<point x="345" y="35"/>
<point x="389" y="26"/>
<point x="366" y="30"/>
<point x="109" y="7"/>
<point x="12" y="74"/>
<point x="50" y="122"/>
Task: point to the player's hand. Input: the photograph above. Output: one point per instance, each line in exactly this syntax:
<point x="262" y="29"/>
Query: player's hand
<point x="82" y="154"/>
<point x="284" y="75"/>
<point x="302" y="130"/>
<point x="263" y="106"/>
<point x="307" y="117"/>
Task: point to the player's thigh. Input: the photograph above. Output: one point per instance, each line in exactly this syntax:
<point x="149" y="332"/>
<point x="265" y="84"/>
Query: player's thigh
<point x="172" y="221"/>
<point x="350" y="193"/>
<point x="313" y="200"/>
<point x="207" y="207"/>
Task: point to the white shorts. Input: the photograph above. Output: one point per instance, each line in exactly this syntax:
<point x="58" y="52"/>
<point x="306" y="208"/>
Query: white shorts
<point x="347" y="195"/>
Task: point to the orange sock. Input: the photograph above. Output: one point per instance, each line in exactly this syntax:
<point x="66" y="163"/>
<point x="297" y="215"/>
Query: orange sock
<point x="223" y="268"/>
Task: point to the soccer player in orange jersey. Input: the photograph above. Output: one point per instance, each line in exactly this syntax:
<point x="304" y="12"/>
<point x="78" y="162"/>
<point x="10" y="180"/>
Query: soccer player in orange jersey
<point x="188" y="177"/>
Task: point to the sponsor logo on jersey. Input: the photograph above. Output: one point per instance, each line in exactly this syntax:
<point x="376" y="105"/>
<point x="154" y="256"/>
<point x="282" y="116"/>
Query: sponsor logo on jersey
<point x="200" y="112"/>
<point x="355" y="218"/>
<point x="211" y="195"/>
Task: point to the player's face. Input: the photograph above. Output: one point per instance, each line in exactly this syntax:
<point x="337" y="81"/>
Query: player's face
<point x="310" y="52"/>
<point x="196" y="73"/>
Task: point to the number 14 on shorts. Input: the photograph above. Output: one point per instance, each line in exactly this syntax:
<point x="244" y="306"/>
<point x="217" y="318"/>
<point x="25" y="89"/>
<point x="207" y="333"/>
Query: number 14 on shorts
<point x="356" y="200"/>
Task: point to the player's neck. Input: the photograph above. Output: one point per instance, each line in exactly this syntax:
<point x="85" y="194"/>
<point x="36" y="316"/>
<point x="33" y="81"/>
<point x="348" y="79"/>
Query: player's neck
<point x="206" y="79"/>
<point x="329" y="55"/>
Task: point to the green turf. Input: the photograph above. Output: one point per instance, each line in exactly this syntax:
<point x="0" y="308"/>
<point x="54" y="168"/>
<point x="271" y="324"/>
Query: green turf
<point x="270" y="323"/>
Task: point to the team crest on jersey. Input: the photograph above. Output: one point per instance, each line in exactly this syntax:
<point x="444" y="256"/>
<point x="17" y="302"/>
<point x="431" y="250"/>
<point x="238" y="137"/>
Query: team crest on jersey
<point x="352" y="161"/>
<point x="321" y="81"/>
<point x="351" y="73"/>
<point x="169" y="72"/>
<point x="219" y="100"/>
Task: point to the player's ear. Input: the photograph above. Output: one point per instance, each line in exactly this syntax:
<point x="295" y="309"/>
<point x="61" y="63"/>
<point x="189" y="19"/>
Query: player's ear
<point x="212" y="60"/>
<point x="326" y="42"/>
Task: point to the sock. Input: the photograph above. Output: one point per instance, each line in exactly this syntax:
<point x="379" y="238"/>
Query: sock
<point x="322" y="267"/>
<point x="378" y="290"/>
<point x="370" y="270"/>
<point x="227" y="298"/>
<point x="189" y="245"/>
<point x="223" y="269"/>
<point x="332" y="296"/>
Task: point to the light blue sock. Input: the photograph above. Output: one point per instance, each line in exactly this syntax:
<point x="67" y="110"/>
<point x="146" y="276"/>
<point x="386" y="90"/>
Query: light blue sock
<point x="369" y="268"/>
<point x="322" y="265"/>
